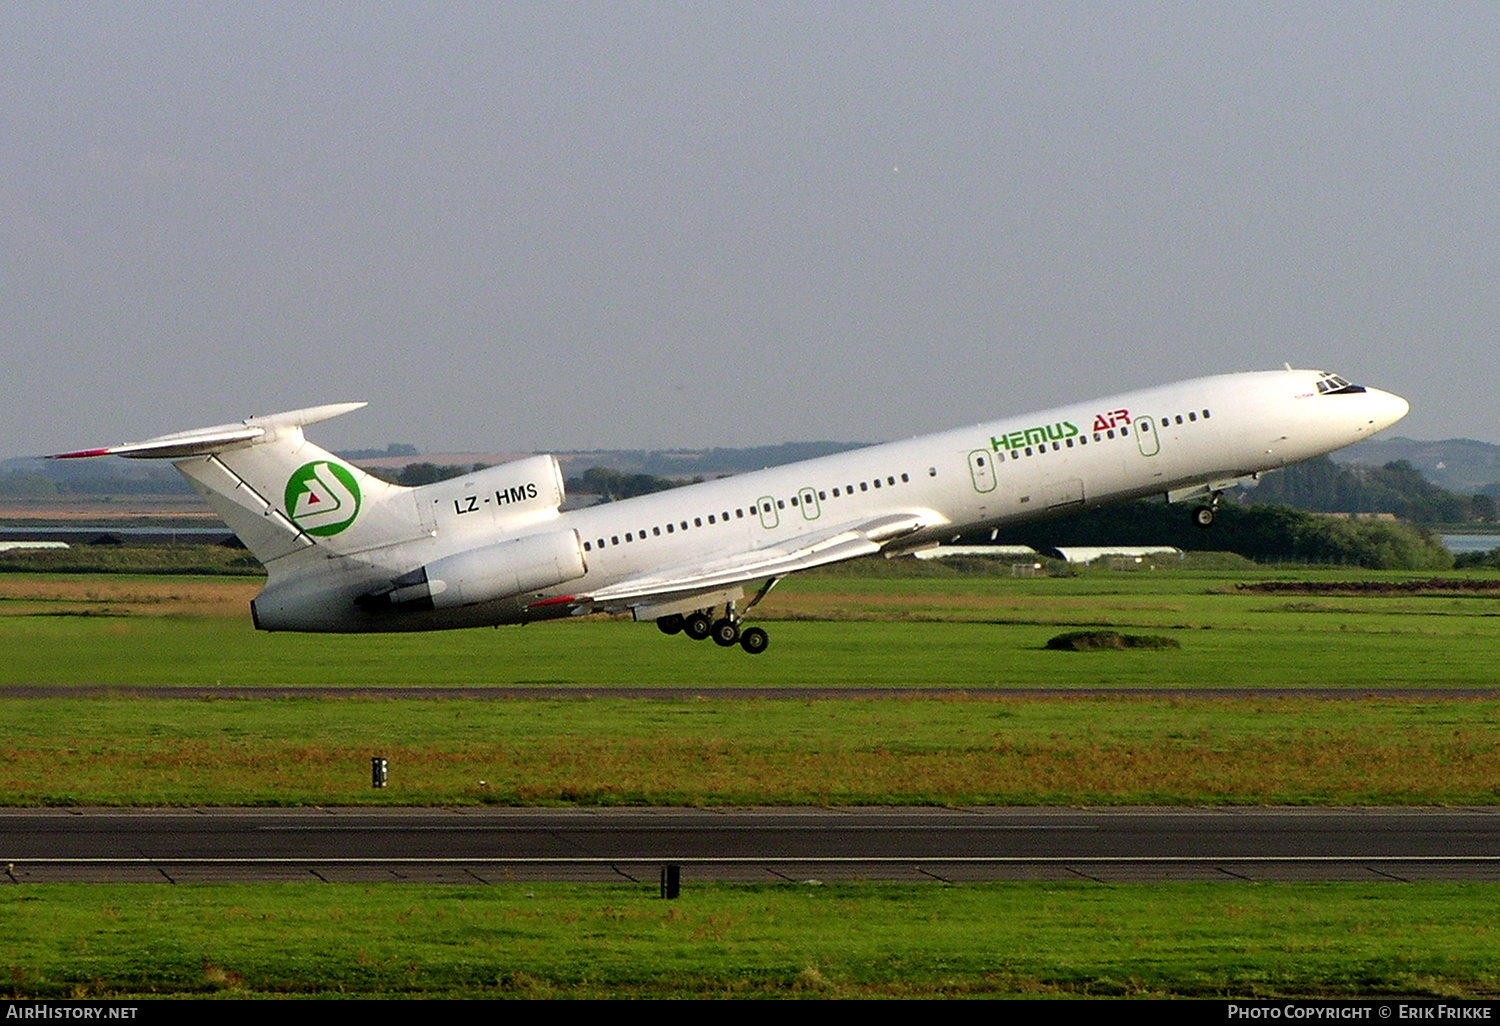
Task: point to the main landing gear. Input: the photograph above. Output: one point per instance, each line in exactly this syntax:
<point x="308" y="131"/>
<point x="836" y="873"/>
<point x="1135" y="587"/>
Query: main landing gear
<point x="726" y="630"/>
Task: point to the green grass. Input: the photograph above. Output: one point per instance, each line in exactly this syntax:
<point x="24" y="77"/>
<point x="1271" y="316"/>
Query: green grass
<point x="546" y="940"/>
<point x="955" y="752"/>
<point x="133" y="559"/>
<point x="1321" y="649"/>
<point x="950" y="632"/>
<point x="867" y="624"/>
<point x="980" y="634"/>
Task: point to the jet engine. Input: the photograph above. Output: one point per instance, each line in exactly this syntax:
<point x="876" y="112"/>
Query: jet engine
<point x="502" y="570"/>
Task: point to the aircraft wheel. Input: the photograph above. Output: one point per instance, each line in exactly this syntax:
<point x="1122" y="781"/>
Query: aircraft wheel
<point x="1203" y="516"/>
<point x="754" y="640"/>
<point x="698" y="626"/>
<point x="670" y="624"/>
<point x="726" y="633"/>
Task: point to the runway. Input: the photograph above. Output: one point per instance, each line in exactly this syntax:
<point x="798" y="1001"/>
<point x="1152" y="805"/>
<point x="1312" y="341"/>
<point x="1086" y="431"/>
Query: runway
<point x="476" y="846"/>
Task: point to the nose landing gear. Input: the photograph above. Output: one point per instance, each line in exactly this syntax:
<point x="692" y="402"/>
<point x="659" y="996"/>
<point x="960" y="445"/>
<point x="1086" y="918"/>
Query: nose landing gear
<point x="1204" y="516"/>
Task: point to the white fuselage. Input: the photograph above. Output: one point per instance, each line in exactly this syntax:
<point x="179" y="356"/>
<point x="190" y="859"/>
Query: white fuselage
<point x="1156" y="441"/>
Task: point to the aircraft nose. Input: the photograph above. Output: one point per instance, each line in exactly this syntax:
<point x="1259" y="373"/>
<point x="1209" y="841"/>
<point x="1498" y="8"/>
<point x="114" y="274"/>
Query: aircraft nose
<point x="1385" y="408"/>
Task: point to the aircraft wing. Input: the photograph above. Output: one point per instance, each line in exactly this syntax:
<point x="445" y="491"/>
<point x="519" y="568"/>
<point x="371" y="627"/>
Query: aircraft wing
<point x="833" y="546"/>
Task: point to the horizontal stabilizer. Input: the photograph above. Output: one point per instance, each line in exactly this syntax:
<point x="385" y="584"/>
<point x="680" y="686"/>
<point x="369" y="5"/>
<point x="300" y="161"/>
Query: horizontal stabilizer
<point x="220" y="438"/>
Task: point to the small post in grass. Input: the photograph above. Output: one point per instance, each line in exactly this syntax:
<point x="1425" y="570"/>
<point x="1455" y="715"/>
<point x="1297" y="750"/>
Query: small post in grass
<point x="671" y="881"/>
<point x="379" y="771"/>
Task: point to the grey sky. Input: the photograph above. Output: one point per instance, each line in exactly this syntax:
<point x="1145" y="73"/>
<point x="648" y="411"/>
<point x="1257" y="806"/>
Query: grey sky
<point x="574" y="225"/>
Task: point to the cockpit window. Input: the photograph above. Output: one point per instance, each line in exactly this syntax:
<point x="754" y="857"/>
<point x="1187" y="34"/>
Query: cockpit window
<point x="1333" y="384"/>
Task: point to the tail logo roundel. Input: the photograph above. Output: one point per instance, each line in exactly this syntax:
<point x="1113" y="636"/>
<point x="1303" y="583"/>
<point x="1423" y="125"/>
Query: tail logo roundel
<point x="322" y="498"/>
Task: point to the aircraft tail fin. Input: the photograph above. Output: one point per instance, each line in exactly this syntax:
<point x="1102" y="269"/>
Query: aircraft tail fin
<point x="279" y="493"/>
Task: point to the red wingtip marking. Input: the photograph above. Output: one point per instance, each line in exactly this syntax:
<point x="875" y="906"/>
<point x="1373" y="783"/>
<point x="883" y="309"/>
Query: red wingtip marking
<point x="554" y="601"/>
<point x="81" y="454"/>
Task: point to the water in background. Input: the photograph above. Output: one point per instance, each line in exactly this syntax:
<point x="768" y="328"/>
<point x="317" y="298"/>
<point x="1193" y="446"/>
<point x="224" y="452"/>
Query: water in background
<point x="1456" y="543"/>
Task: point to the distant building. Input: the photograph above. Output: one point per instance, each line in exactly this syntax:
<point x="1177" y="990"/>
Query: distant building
<point x="983" y="551"/>
<point x="1086" y="554"/>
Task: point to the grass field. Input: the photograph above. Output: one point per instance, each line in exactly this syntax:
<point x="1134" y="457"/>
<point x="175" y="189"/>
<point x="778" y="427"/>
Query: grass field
<point x="612" y="751"/>
<point x="973" y="638"/>
<point x="892" y="940"/>
<point x="950" y="631"/>
<point x="974" y="633"/>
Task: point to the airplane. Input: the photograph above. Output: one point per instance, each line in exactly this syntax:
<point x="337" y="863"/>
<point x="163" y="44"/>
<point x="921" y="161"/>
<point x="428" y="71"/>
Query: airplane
<point x="348" y="552"/>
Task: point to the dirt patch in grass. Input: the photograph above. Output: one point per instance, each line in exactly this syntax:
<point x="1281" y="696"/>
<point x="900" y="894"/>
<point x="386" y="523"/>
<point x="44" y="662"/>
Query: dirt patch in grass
<point x="96" y="596"/>
<point x="1431" y="586"/>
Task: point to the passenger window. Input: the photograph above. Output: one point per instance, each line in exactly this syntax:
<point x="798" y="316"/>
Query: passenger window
<point x="1179" y="418"/>
<point x="1110" y="432"/>
<point x="684" y="525"/>
<point x="614" y="539"/>
<point x="877" y="482"/>
<point x="711" y="519"/>
<point x="697" y="521"/>
<point x="1206" y="414"/>
<point x="781" y="504"/>
<point x="823" y="496"/>
<point x="669" y="529"/>
<point x="794" y="500"/>
<point x="656" y="531"/>
<point x="629" y="537"/>
<point x="835" y="493"/>
<point x="906" y="479"/>
<point x="1124" y="431"/>
<point x="864" y="487"/>
<point x="1192" y="416"/>
<point x="588" y="546"/>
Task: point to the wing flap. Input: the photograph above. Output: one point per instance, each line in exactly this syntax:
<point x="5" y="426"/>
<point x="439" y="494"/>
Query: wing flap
<point x="844" y="543"/>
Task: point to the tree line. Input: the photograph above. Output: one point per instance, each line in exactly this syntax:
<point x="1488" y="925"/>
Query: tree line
<point x="1322" y="486"/>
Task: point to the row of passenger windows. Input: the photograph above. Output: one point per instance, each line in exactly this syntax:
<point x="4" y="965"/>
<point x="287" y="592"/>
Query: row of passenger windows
<point x="1099" y="436"/>
<point x="1191" y="416"/>
<point x="762" y="508"/>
